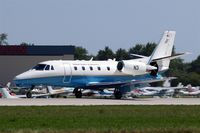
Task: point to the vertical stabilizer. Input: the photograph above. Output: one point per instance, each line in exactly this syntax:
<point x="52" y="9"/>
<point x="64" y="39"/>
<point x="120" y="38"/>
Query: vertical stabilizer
<point x="164" y="49"/>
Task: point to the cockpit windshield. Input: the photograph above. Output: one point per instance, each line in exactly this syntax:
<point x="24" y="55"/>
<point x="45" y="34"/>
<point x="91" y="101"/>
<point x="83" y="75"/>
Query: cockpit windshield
<point x="39" y="67"/>
<point x="43" y="67"/>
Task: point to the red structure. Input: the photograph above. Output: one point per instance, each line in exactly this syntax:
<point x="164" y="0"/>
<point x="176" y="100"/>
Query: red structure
<point x="13" y="50"/>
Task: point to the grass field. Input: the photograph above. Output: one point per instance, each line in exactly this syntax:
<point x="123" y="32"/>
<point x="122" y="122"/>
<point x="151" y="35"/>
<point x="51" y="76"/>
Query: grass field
<point x="95" y="119"/>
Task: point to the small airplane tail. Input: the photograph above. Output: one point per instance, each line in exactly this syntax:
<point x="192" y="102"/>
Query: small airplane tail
<point x="167" y="82"/>
<point x="180" y="84"/>
<point x="162" y="53"/>
<point x="6" y="93"/>
<point x="8" y="84"/>
<point x="50" y="90"/>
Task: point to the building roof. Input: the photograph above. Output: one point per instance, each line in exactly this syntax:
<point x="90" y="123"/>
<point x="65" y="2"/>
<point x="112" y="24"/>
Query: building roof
<point x="47" y="50"/>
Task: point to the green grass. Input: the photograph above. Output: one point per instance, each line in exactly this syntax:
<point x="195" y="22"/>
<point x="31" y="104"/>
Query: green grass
<point x="94" y="119"/>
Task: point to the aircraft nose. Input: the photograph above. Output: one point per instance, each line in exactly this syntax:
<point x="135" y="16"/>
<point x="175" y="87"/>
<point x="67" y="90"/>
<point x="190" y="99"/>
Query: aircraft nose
<point x="18" y="77"/>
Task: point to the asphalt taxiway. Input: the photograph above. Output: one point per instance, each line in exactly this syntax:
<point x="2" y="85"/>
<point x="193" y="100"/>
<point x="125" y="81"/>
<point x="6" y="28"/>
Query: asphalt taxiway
<point x="82" y="102"/>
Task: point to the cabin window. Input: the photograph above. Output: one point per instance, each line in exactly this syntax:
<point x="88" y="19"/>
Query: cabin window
<point x="83" y="68"/>
<point x="91" y="68"/>
<point x="39" y="67"/>
<point x="99" y="68"/>
<point x="108" y="68"/>
<point x="52" y="68"/>
<point x="47" y="67"/>
<point x="75" y="68"/>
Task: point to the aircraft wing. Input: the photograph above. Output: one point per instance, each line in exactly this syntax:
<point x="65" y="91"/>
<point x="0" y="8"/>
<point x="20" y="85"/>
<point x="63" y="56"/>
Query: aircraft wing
<point x="122" y="84"/>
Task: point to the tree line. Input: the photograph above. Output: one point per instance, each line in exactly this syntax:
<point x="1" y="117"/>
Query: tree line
<point x="121" y="54"/>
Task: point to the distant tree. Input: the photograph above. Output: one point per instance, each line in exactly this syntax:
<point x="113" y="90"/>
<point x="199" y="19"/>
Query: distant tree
<point x="149" y="48"/>
<point x="3" y="39"/>
<point x="80" y="53"/>
<point x="192" y="78"/>
<point x="176" y="69"/>
<point x="121" y="54"/>
<point x="142" y="49"/>
<point x="105" y="54"/>
<point x="195" y="65"/>
<point x="24" y="44"/>
<point x="137" y="49"/>
<point x="176" y="65"/>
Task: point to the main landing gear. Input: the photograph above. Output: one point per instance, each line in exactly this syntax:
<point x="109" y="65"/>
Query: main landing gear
<point x="29" y="93"/>
<point x="78" y="93"/>
<point x="117" y="93"/>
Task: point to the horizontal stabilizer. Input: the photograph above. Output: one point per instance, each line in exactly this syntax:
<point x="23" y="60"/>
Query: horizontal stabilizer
<point x="140" y="56"/>
<point x="170" y="57"/>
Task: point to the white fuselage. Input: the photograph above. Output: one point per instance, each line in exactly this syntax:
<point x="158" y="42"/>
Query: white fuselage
<point x="78" y="73"/>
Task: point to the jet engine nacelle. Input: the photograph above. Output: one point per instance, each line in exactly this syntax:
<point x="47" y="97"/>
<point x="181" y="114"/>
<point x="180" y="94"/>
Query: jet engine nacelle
<point x="134" y="67"/>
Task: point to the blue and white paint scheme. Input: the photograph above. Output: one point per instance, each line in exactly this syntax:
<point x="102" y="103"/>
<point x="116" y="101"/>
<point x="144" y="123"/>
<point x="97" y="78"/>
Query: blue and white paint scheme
<point x="102" y="74"/>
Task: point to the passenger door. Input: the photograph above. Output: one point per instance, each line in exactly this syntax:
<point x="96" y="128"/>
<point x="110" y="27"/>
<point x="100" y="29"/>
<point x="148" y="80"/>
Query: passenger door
<point x="67" y="73"/>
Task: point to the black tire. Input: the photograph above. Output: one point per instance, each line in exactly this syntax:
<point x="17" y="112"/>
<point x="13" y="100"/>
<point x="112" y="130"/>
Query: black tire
<point x="29" y="94"/>
<point x="78" y="94"/>
<point x="117" y="94"/>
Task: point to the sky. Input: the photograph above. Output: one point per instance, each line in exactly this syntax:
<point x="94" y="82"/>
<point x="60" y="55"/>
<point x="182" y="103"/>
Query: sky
<point x="94" y="24"/>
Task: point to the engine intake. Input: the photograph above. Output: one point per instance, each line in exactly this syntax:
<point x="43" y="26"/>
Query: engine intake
<point x="120" y="65"/>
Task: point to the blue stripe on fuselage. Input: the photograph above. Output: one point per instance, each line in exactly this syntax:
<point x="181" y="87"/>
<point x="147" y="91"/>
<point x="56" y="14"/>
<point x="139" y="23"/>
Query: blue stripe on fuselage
<point x="78" y="81"/>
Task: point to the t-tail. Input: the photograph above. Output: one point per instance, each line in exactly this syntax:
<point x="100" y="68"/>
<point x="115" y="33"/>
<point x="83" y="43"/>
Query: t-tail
<point x="162" y="54"/>
<point x="163" y="50"/>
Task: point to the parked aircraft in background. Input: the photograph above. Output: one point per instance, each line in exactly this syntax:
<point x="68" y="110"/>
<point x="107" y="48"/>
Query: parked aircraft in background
<point x="165" y="90"/>
<point x="6" y="93"/>
<point x="1" y="95"/>
<point x="102" y="74"/>
<point x="190" y="91"/>
<point x="98" y="93"/>
<point x="64" y="91"/>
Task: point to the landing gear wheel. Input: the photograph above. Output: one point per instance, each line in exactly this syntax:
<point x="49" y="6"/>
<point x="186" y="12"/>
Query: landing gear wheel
<point x="29" y="94"/>
<point x="117" y="94"/>
<point x="78" y="93"/>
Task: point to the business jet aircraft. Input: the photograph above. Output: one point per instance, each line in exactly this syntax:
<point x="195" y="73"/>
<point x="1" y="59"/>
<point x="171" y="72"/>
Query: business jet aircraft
<point x="102" y="74"/>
